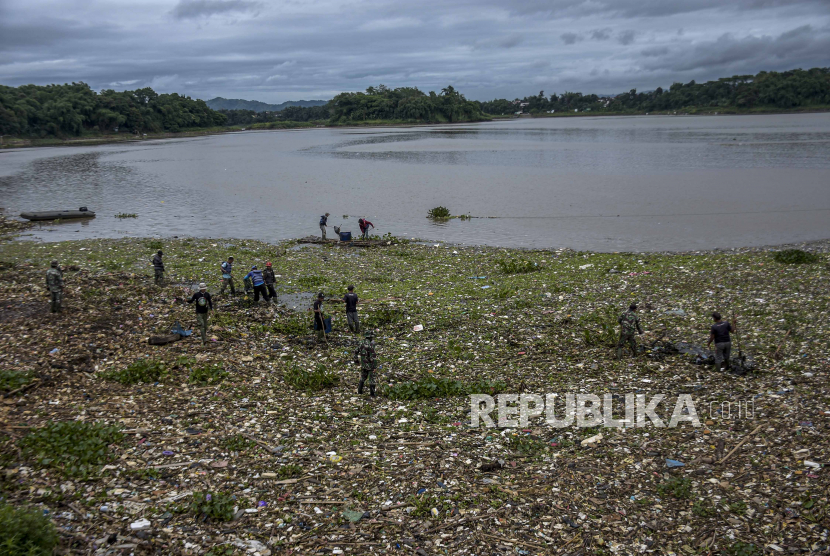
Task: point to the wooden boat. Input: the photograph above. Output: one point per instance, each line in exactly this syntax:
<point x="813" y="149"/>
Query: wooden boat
<point x="82" y="212"/>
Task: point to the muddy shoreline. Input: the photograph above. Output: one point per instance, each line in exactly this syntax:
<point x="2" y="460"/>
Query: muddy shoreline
<point x="309" y="470"/>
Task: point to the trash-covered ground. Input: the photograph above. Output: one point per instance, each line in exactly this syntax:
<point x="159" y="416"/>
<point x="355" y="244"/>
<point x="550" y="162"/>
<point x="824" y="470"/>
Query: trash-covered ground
<point x="259" y="443"/>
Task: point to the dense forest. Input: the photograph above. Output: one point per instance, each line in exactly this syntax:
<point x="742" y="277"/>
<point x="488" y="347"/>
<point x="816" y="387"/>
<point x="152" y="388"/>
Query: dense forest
<point x="63" y="110"/>
<point x="784" y="90"/>
<point x="288" y="114"/>
<point x="75" y="109"/>
<point x="404" y="103"/>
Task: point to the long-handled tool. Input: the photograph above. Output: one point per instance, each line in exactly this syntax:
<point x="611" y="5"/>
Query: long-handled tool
<point x="737" y="336"/>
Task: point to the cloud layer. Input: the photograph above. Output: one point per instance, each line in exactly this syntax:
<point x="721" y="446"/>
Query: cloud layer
<point x="286" y="50"/>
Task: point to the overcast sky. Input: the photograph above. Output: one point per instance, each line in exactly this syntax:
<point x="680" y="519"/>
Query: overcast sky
<point x="281" y="50"/>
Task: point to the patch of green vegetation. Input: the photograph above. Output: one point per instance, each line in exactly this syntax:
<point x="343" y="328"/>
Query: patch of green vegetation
<point x="739" y="548"/>
<point x="738" y="508"/>
<point x="222" y="550"/>
<point x="143" y="370"/>
<point x="439" y="212"/>
<point x="679" y="487"/>
<point x="311" y="282"/>
<point x="795" y="256"/>
<point x="432" y="387"/>
<point x="215" y="506"/>
<point x="516" y="266"/>
<point x="76" y="448"/>
<point x="318" y="379"/>
<point x="209" y="374"/>
<point x="154" y="245"/>
<point x="25" y="532"/>
<point x="290" y="326"/>
<point x="600" y="328"/>
<point x="383" y="316"/>
<point x="237" y="443"/>
<point x="702" y="509"/>
<point x="12" y="380"/>
<point x="126" y="215"/>
<point x="425" y="502"/>
<point x="288" y="471"/>
<point x="527" y="446"/>
<point x="503" y="292"/>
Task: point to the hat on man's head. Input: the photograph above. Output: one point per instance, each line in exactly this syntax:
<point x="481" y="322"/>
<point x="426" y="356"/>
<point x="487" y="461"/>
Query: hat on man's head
<point x="202" y="286"/>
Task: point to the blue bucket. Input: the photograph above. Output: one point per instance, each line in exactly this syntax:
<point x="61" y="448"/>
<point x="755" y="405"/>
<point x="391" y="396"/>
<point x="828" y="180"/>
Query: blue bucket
<point x="345" y="236"/>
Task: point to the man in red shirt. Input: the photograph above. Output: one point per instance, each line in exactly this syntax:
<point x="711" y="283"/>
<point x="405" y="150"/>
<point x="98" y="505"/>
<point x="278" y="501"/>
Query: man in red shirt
<point x="364" y="227"/>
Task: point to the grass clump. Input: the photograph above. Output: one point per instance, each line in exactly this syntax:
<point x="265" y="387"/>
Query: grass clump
<point x="527" y="446"/>
<point x="25" y="532"/>
<point x="291" y="326"/>
<point x="143" y="370"/>
<point x="795" y="256"/>
<point x="154" y="245"/>
<point x="237" y="443"/>
<point x="12" y="380"/>
<point x="209" y="374"/>
<point x="438" y="212"/>
<point x="600" y="328"/>
<point x="318" y="379"/>
<point x="76" y="448"/>
<point x="739" y="548"/>
<point x="215" y="506"/>
<point x="311" y="282"/>
<point x="383" y="316"/>
<point x="288" y="471"/>
<point x="517" y="266"/>
<point x="701" y="509"/>
<point x="679" y="487"/>
<point x="432" y="387"/>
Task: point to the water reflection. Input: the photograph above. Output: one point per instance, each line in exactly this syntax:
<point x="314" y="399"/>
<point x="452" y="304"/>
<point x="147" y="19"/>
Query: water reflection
<point x="647" y="183"/>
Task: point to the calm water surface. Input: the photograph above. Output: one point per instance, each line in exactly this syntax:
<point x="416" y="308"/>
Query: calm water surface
<point x="604" y="184"/>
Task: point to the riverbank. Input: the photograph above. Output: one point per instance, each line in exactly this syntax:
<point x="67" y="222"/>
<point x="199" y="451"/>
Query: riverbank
<point x="691" y="111"/>
<point x="271" y="417"/>
<point x="12" y="142"/>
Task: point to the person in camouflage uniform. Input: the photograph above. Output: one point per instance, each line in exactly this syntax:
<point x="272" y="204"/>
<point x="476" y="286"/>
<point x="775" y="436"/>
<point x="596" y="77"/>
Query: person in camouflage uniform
<point x="158" y="266"/>
<point x="629" y="324"/>
<point x="54" y="282"/>
<point x="366" y="357"/>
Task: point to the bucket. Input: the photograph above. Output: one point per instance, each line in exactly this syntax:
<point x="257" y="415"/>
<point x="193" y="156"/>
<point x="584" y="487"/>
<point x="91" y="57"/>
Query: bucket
<point x="326" y="324"/>
<point x="345" y="236"/>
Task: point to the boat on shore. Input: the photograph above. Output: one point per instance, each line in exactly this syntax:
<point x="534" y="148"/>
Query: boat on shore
<point x="82" y="212"/>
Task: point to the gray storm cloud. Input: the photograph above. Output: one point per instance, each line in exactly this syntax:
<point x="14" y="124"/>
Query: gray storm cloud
<point x="277" y="51"/>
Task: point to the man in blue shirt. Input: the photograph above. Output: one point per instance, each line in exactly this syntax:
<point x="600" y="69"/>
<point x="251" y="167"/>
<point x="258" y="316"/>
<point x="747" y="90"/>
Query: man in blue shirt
<point x="259" y="284"/>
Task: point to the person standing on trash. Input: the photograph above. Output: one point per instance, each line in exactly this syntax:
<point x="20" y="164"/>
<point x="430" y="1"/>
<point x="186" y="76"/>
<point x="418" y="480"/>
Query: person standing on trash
<point x="366" y="357"/>
<point x="54" y="283"/>
<point x="319" y="317"/>
<point x="203" y="304"/>
<point x="158" y="266"/>
<point x="258" y="281"/>
<point x="629" y="324"/>
<point x="364" y="227"/>
<point x="719" y="333"/>
<point x="227" y="279"/>
<point x="324" y="223"/>
<point x="351" y="310"/>
<point x="270" y="280"/>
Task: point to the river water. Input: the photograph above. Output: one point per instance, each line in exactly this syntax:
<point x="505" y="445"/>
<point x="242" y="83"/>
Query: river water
<point x="604" y="184"/>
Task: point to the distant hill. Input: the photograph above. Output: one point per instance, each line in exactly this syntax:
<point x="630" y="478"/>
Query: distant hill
<point x="220" y="103"/>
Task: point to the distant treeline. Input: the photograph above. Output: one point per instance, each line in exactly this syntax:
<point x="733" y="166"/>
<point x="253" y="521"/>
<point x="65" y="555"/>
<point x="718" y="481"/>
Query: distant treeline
<point x="72" y="110"/>
<point x="62" y="110"/>
<point x="404" y="103"/>
<point x="288" y="114"/>
<point x="784" y="90"/>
